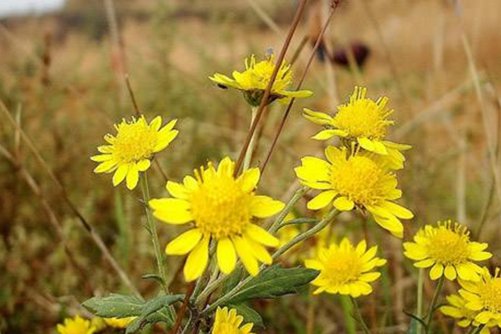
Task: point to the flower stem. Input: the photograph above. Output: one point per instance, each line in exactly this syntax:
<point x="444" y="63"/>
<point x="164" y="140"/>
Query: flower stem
<point x="358" y="316"/>
<point x="419" y="307"/>
<point x="252" y="143"/>
<point x="434" y="300"/>
<point x="152" y="229"/>
<point x="476" y="330"/>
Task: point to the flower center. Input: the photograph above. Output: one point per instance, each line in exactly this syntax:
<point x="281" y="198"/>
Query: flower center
<point x="343" y="266"/>
<point x="220" y="207"/>
<point x="359" y="178"/>
<point x="490" y="295"/>
<point x="134" y="141"/>
<point x="363" y="118"/>
<point x="449" y="246"/>
<point x="258" y="75"/>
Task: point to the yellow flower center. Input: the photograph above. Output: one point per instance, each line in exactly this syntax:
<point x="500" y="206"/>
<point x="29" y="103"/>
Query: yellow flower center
<point x="343" y="266"/>
<point x="359" y="178"/>
<point x="449" y="244"/>
<point x="363" y="117"/>
<point x="134" y="141"/>
<point x="220" y="207"/>
<point x="490" y="294"/>
<point x="257" y="75"/>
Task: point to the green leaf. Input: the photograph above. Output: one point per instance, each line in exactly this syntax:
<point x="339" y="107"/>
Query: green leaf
<point x="154" y="277"/>
<point x="248" y="314"/>
<point x="155" y="310"/>
<point x="115" y="305"/>
<point x="233" y="279"/>
<point x="273" y="282"/>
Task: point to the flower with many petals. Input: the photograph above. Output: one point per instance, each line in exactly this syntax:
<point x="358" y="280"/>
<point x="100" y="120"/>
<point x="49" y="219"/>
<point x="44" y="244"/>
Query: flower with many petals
<point x="447" y="249"/>
<point x="353" y="180"/>
<point x="229" y="322"/>
<point x="346" y="269"/>
<point x="130" y="151"/>
<point x="223" y="208"/>
<point x="363" y="122"/>
<point x="76" y="325"/>
<point x="254" y="80"/>
<point x="456" y="308"/>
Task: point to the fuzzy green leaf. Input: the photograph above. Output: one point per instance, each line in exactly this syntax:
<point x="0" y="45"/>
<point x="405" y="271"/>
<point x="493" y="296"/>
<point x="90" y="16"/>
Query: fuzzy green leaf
<point x="153" y="311"/>
<point x="115" y="305"/>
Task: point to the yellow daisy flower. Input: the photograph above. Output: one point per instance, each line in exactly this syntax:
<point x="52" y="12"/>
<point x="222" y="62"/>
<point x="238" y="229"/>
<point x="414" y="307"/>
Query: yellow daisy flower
<point x="447" y="249"/>
<point x="253" y="81"/>
<point x="119" y="322"/>
<point x="364" y="122"/>
<point x="223" y="209"/>
<point x="130" y="151"/>
<point x="76" y="325"/>
<point x="484" y="297"/>
<point x="346" y="269"/>
<point x="465" y="317"/>
<point x="228" y="322"/>
<point x="347" y="181"/>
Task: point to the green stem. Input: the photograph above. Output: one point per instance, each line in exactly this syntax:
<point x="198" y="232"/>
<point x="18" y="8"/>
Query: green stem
<point x="152" y="229"/>
<point x="419" y="308"/>
<point x="476" y="330"/>
<point x="298" y="194"/>
<point x="434" y="300"/>
<point x="250" y="149"/>
<point x="358" y="316"/>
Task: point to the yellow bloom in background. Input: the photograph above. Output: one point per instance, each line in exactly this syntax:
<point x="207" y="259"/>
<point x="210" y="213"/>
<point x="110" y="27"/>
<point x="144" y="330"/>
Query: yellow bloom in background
<point x="76" y="325"/>
<point x="346" y="269"/>
<point x="130" y="151"/>
<point x="253" y="81"/>
<point x="465" y="317"/>
<point x="119" y="322"/>
<point x="347" y="181"/>
<point x="229" y="322"/>
<point x="484" y="297"/>
<point x="364" y="122"/>
<point x="447" y="249"/>
<point x="223" y="208"/>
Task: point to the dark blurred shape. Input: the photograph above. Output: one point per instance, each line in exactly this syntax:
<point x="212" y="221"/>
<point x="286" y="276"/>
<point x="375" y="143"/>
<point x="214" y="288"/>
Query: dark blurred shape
<point x="359" y="51"/>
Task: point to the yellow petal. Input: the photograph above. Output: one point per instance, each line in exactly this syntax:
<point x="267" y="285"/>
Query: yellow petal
<point x="132" y="177"/>
<point x="106" y="167"/>
<point x="226" y="256"/>
<point x="261" y="235"/>
<point x="165" y="140"/>
<point x="328" y="134"/>
<point x="245" y="254"/>
<point x="143" y="165"/>
<point x="436" y="271"/>
<point x="250" y="179"/>
<point x="156" y="123"/>
<point x="171" y="210"/>
<point x="184" y="243"/>
<point x="343" y="204"/>
<point x="264" y="206"/>
<point x="197" y="261"/>
<point x="120" y="174"/>
<point x="450" y="273"/>
<point x="317" y="117"/>
<point x="321" y="200"/>
<point x="259" y="252"/>
<point x="177" y="190"/>
<point x="398" y="210"/>
<point x="390" y="223"/>
<point x="101" y="157"/>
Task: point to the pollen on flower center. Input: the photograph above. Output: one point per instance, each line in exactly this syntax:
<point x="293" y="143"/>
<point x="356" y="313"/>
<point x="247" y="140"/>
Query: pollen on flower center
<point x="358" y="178"/>
<point x="449" y="246"/>
<point x="220" y="207"/>
<point x="343" y="267"/>
<point x="490" y="294"/>
<point x="134" y="142"/>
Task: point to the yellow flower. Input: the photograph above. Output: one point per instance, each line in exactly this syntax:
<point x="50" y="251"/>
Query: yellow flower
<point x="253" y="81"/>
<point x="77" y="325"/>
<point x="119" y="322"/>
<point x="130" y="151"/>
<point x="223" y="209"/>
<point x="447" y="249"/>
<point x="364" y="122"/>
<point x="228" y="322"/>
<point x="354" y="180"/>
<point x="484" y="298"/>
<point x="346" y="269"/>
<point x="457" y="309"/>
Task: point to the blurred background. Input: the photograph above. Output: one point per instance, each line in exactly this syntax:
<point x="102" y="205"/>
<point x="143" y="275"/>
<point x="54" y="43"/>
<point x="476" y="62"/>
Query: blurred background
<point x="62" y="82"/>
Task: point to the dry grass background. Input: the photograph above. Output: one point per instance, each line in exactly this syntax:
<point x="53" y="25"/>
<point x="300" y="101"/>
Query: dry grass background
<point x="61" y="77"/>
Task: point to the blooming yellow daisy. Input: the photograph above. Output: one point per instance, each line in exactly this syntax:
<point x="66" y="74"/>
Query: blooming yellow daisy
<point x="223" y="209"/>
<point x="130" y="151"/>
<point x="346" y="269"/>
<point x="76" y="325"/>
<point x="228" y="322"/>
<point x="347" y="181"/>
<point x="361" y="121"/>
<point x="119" y="322"/>
<point x="465" y="317"/>
<point x="447" y="249"/>
<point x="484" y="297"/>
<point x="253" y="81"/>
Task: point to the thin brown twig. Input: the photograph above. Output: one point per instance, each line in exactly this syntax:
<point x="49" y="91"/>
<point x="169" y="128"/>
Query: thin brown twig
<point x="132" y="96"/>
<point x="299" y="85"/>
<point x="264" y="100"/>
<point x="183" y="308"/>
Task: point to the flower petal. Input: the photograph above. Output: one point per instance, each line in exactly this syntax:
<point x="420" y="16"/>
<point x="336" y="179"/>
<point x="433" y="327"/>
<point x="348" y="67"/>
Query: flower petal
<point x="245" y="254"/>
<point x="120" y="174"/>
<point x="184" y="243"/>
<point x="321" y="200"/>
<point x="197" y="261"/>
<point x="132" y="177"/>
<point x="226" y="256"/>
<point x="342" y="203"/>
<point x="264" y="206"/>
<point x="260" y="235"/>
